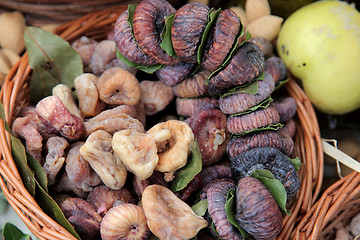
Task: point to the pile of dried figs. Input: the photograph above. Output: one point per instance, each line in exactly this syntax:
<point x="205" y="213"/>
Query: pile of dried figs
<point x="180" y="128"/>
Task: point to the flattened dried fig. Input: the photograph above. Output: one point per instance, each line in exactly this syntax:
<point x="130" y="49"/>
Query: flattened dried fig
<point x="188" y="26"/>
<point x="193" y="86"/>
<point x="54" y="114"/>
<point x="155" y="96"/>
<point x="126" y="43"/>
<point x="173" y="74"/>
<point x="254" y="120"/>
<point x="148" y="23"/>
<point x="221" y="39"/>
<point x="267" y="158"/>
<point x="173" y="153"/>
<point x="276" y="67"/>
<point x="55" y="157"/>
<point x="277" y="139"/>
<point x="286" y="107"/>
<point x="256" y="210"/>
<point x="246" y="64"/>
<point x="209" y="127"/>
<point x="137" y="151"/>
<point x="104" y="198"/>
<point x="125" y="221"/>
<point x="216" y="197"/>
<point x="78" y="171"/>
<point x="189" y="106"/>
<point x="167" y="216"/>
<point x="98" y="152"/>
<point x="89" y="101"/>
<point x="118" y="86"/>
<point x="65" y="95"/>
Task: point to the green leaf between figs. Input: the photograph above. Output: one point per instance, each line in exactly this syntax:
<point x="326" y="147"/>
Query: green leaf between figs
<point x="274" y="186"/>
<point x="185" y="174"/>
<point x="281" y="83"/>
<point x="271" y="127"/>
<point x="264" y="104"/>
<point x="11" y="232"/>
<point x="145" y="68"/>
<point x="212" y="16"/>
<point x="166" y="42"/>
<point x="200" y="207"/>
<point x="250" y="88"/>
<point x="38" y="170"/>
<point x="296" y="162"/>
<point x="230" y="212"/>
<point x="55" y="55"/>
<point x="130" y="19"/>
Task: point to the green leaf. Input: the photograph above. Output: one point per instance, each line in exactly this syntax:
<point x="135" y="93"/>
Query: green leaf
<point x="19" y="156"/>
<point x="250" y="88"/>
<point x="145" y="68"/>
<point x="296" y="162"/>
<point x="10" y="232"/>
<point x="281" y="83"/>
<point x="52" y="53"/>
<point x="45" y="82"/>
<point x="231" y="53"/>
<point x="212" y="16"/>
<point x="230" y="212"/>
<point x="274" y="186"/>
<point x="166" y="42"/>
<point x="50" y="207"/>
<point x="185" y="174"/>
<point x="264" y="104"/>
<point x="38" y="170"/>
<point x="271" y="127"/>
<point x="200" y="207"/>
<point x="130" y="19"/>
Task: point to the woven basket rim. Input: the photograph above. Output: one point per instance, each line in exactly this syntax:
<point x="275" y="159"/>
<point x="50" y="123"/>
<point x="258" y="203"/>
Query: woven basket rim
<point x="308" y="142"/>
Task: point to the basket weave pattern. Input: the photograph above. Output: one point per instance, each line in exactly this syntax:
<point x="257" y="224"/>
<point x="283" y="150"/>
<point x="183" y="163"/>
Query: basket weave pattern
<point x="14" y="96"/>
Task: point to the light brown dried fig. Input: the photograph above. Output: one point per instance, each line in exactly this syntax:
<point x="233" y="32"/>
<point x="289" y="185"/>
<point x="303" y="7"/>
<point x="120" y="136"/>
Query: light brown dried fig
<point x="98" y="152"/>
<point x="168" y="217"/>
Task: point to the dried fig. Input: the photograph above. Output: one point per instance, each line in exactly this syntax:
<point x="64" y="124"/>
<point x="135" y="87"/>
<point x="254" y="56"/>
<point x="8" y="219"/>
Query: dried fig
<point x="173" y="74"/>
<point x="148" y="23"/>
<point x="98" y="152"/>
<point x="126" y="43"/>
<point x="245" y="65"/>
<point x="124" y="221"/>
<point x="267" y="158"/>
<point x="193" y="86"/>
<point x="167" y="216"/>
<point x="221" y="40"/>
<point x="256" y="210"/>
<point x="173" y="153"/>
<point x="189" y="106"/>
<point x="188" y="26"/>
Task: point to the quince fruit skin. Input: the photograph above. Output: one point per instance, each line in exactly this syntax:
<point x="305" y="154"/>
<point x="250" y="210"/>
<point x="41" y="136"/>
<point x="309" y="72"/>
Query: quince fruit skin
<point x="320" y="45"/>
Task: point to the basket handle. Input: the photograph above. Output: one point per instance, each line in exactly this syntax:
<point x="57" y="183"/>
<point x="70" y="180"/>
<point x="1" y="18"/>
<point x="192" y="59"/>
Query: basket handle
<point x="339" y="156"/>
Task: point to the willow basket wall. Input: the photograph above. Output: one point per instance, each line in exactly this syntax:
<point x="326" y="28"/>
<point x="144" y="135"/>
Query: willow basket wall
<point x="338" y="205"/>
<point x="15" y="94"/>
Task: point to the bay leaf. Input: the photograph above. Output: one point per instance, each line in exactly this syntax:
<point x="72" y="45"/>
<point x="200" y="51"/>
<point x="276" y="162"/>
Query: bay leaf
<point x="54" y="54"/>
<point x="271" y="127"/>
<point x="280" y="84"/>
<point x="200" y="207"/>
<point x="264" y="104"/>
<point x="166" y="42"/>
<point x="11" y="232"/>
<point x="38" y="170"/>
<point x="274" y="186"/>
<point x="212" y="16"/>
<point x="52" y="209"/>
<point x="230" y="208"/>
<point x="296" y="162"/>
<point x="145" y="68"/>
<point x="185" y="174"/>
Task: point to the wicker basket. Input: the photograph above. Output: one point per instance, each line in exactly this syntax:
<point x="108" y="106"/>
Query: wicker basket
<point x="15" y="93"/>
<point x="338" y="205"/>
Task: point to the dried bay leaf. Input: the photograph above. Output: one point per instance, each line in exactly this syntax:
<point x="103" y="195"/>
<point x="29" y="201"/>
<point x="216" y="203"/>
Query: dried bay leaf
<point x="53" y="54"/>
